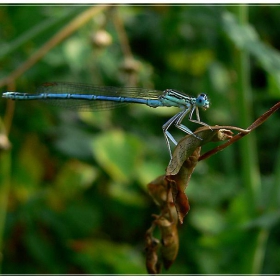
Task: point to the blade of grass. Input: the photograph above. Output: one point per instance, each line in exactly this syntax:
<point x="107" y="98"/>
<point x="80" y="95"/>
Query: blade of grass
<point x="275" y="197"/>
<point x="249" y="163"/>
<point x="5" y="168"/>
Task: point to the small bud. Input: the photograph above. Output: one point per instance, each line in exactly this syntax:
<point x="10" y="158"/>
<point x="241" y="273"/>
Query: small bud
<point x="101" y="39"/>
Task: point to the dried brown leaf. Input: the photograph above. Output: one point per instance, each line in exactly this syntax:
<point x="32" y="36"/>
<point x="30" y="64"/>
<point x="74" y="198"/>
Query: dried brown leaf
<point x="159" y="190"/>
<point x="169" y="241"/>
<point x="152" y="260"/>
<point x="189" y="144"/>
<point x="179" y="183"/>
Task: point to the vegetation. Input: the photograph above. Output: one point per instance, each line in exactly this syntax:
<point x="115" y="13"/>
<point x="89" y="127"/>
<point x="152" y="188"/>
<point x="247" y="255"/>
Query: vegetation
<point x="73" y="185"/>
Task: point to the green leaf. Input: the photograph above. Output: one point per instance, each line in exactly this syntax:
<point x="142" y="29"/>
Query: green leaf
<point x="118" y="153"/>
<point x="246" y="38"/>
<point x="39" y="248"/>
<point x="126" y="194"/>
<point x="101" y="256"/>
<point x="207" y="220"/>
<point x="267" y="220"/>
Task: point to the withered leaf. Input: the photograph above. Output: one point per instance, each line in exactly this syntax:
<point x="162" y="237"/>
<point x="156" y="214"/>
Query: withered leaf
<point x="152" y="260"/>
<point x="159" y="190"/>
<point x="169" y="241"/>
<point x="189" y="144"/>
<point x="183" y="163"/>
<point x="179" y="183"/>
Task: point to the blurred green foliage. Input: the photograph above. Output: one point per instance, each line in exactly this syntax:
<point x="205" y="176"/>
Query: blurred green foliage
<point x="73" y="185"/>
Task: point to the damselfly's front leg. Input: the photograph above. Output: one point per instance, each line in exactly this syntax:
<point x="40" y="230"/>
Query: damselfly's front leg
<point x="177" y="119"/>
<point x="197" y="118"/>
<point x="167" y="135"/>
<point x="183" y="127"/>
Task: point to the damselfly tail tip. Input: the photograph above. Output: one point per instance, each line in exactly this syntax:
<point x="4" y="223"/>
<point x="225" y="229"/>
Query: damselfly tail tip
<point x="10" y="95"/>
<point x="6" y="94"/>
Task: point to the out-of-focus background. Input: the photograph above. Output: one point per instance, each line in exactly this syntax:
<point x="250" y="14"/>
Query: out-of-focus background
<point x="73" y="185"/>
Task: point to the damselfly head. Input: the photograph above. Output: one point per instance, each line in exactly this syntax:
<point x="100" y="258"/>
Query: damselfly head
<point x="202" y="101"/>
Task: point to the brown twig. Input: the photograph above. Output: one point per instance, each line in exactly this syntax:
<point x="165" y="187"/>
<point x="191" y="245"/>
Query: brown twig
<point x="238" y="136"/>
<point x="55" y="40"/>
<point x="10" y="108"/>
<point x="124" y="42"/>
<point x="130" y="66"/>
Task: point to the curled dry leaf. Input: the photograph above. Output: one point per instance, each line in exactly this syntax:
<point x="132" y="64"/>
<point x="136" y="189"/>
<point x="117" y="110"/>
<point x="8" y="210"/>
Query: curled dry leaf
<point x="159" y="191"/>
<point x="168" y="192"/>
<point x="189" y="144"/>
<point x="179" y="183"/>
<point x="169" y="241"/>
<point x="153" y="264"/>
<point x="183" y="163"/>
<point x="171" y="187"/>
<point x="164" y="252"/>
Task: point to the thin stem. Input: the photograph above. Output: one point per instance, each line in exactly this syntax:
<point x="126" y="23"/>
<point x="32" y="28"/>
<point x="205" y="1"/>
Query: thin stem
<point x="124" y="42"/>
<point x="8" y="118"/>
<point x="260" y="251"/>
<point x="243" y="133"/>
<point x="248" y="150"/>
<point x="5" y="166"/>
<point x="274" y="200"/>
<point x="249" y="163"/>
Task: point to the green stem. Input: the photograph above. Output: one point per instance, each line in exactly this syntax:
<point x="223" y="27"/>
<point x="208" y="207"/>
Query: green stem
<point x="258" y="257"/>
<point x="249" y="164"/>
<point x="5" y="160"/>
<point x="275" y="196"/>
